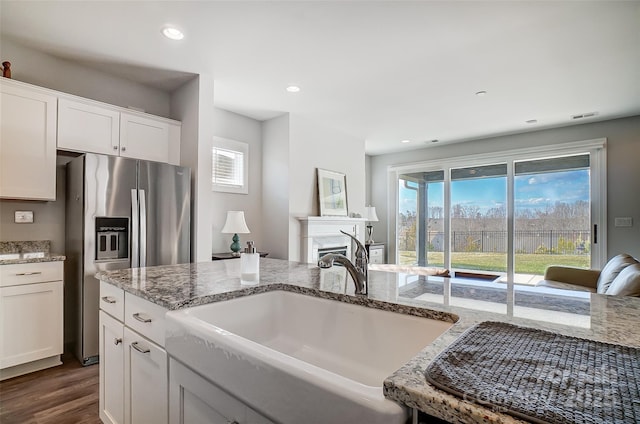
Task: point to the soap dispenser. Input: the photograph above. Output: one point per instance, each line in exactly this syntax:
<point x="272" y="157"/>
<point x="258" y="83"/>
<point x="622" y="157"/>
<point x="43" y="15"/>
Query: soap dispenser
<point x="250" y="265"/>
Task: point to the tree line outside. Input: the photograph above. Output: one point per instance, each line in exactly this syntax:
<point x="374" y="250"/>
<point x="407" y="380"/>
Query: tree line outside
<point x="557" y="233"/>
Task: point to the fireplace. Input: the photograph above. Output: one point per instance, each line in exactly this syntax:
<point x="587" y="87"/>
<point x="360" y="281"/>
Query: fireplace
<point x="321" y="235"/>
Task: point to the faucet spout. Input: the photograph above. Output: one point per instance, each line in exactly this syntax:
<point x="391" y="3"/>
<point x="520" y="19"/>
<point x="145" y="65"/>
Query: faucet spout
<point x="359" y="278"/>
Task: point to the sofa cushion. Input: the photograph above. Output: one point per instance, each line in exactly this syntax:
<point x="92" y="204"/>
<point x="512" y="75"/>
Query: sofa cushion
<point x="612" y="269"/>
<point x="627" y="283"/>
<point x="565" y="286"/>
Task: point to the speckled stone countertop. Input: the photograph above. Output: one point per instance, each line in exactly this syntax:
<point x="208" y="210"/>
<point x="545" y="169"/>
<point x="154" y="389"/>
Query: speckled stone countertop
<point x="25" y="252"/>
<point x="465" y="302"/>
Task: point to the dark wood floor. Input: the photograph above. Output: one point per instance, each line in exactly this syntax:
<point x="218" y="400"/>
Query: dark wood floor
<point x="66" y="394"/>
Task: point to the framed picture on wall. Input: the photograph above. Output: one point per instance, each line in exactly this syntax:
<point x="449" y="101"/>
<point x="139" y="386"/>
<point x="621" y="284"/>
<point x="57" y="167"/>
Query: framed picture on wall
<point x="332" y="193"/>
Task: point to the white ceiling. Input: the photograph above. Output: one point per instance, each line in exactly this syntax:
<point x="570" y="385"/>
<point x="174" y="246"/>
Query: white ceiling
<point x="380" y="71"/>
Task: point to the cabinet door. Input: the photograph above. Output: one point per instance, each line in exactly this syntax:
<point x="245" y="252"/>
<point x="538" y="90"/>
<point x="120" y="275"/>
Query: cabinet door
<point x="27" y="143"/>
<point x="111" y="359"/>
<point x="85" y="127"/>
<point x="144" y="138"/>
<point x="193" y="400"/>
<point x="146" y="380"/>
<point x="31" y="322"/>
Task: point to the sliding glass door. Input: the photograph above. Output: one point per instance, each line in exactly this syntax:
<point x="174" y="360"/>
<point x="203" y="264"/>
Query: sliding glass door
<point x="504" y="217"/>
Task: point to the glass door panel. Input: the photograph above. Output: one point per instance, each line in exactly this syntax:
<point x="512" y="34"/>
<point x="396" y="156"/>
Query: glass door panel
<point x="479" y="221"/>
<point x="552" y="215"/>
<point x="421" y="219"/>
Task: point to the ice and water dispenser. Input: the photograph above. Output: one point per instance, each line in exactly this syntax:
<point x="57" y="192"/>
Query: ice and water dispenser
<point x="112" y="238"/>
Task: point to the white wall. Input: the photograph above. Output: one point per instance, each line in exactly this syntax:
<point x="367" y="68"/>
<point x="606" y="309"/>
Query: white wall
<point x="275" y="186"/>
<point x="48" y="218"/>
<point x="35" y="67"/>
<point x="313" y="146"/>
<point x="193" y="105"/>
<point x="623" y="172"/>
<point x="240" y="128"/>
<point x="293" y="148"/>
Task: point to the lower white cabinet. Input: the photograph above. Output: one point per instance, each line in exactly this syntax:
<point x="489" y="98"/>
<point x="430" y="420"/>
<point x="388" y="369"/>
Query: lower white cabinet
<point x="31" y="317"/>
<point x="133" y="369"/>
<point x="111" y="397"/>
<point x="194" y="400"/>
<point x="145" y="376"/>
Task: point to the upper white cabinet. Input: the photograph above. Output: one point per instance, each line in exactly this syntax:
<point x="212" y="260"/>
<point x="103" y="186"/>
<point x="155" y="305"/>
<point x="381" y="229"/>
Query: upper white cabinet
<point x="144" y="138"/>
<point x="27" y="142"/>
<point x="88" y="126"/>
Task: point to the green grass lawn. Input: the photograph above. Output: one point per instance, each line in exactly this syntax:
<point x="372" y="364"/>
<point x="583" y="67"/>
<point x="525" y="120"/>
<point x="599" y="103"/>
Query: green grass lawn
<point x="525" y="263"/>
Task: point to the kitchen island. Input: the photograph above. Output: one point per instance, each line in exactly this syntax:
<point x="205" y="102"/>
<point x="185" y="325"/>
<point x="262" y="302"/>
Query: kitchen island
<point x="464" y="302"/>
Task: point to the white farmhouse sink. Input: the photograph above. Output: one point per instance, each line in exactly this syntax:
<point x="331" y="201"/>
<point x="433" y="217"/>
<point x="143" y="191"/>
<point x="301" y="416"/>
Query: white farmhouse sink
<point x="298" y="358"/>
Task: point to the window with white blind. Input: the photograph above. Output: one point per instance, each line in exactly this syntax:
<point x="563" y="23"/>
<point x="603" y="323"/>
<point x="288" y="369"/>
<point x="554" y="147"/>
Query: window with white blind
<point x="229" y="168"/>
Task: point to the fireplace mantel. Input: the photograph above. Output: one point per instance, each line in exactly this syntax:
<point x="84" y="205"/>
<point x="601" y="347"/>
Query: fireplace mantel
<point x="324" y="232"/>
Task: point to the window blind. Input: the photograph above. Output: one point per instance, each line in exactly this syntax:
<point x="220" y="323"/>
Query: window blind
<point x="228" y="167"/>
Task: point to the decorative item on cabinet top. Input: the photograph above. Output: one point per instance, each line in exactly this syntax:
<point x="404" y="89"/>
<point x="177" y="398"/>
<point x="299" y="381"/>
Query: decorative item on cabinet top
<point x="6" y="69"/>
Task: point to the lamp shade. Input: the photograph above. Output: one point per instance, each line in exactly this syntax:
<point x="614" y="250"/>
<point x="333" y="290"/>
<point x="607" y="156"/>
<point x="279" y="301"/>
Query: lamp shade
<point x="370" y="214"/>
<point x="235" y="223"/>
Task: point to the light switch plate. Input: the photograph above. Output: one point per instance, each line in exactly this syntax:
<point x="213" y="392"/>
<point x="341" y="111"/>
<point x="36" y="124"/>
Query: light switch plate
<point x="625" y="221"/>
<point x="23" y="217"/>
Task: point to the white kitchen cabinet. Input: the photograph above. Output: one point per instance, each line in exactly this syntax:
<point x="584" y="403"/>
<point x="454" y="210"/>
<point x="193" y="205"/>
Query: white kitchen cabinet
<point x="31" y="317"/>
<point x="144" y="138"/>
<point x="133" y="368"/>
<point x="87" y="127"/>
<point x="27" y="142"/>
<point x="194" y="400"/>
<point x="146" y="380"/>
<point x="111" y="396"/>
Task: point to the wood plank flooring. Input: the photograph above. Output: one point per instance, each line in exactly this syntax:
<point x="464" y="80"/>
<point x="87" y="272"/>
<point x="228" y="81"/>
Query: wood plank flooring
<point x="66" y="394"/>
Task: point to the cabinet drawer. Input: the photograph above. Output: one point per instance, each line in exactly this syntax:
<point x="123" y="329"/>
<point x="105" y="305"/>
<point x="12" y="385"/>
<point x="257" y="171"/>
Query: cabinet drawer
<point x="376" y="252"/>
<point x="144" y="317"/>
<point x="112" y="300"/>
<point x="40" y="272"/>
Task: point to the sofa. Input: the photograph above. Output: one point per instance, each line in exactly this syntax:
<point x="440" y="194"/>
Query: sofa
<point x="619" y="277"/>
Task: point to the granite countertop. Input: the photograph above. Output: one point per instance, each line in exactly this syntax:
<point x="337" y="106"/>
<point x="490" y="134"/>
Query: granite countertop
<point x="465" y="302"/>
<point x="25" y="252"/>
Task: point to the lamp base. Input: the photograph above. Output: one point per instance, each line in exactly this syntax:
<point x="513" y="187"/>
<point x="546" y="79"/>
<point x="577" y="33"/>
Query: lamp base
<point x="370" y="235"/>
<point x="235" y="246"/>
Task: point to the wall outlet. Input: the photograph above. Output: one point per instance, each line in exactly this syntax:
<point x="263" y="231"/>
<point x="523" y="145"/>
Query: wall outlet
<point x="23" y="217"/>
<point x="625" y="221"/>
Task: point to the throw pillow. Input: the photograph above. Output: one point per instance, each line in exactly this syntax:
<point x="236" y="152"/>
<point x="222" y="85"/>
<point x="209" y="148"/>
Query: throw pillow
<point x="612" y="269"/>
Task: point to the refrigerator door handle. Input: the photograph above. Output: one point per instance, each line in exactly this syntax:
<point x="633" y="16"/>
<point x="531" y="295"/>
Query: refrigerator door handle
<point x="135" y="229"/>
<point x="143" y="229"/>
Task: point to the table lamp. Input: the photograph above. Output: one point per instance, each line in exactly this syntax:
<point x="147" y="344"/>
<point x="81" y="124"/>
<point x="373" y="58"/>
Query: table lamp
<point x="235" y="225"/>
<point x="371" y="216"/>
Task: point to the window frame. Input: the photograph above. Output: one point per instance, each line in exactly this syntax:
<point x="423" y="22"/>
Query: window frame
<point x="595" y="147"/>
<point x="234" y="146"/>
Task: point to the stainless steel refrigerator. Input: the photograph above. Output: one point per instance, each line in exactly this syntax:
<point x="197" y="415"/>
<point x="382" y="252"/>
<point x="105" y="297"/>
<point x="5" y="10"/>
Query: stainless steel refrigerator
<point x="120" y="213"/>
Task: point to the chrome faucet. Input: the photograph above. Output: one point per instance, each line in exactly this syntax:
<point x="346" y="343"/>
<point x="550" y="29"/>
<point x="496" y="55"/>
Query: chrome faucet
<point x="358" y="272"/>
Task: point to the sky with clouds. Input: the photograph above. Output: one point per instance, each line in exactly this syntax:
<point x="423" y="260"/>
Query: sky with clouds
<point x="533" y="191"/>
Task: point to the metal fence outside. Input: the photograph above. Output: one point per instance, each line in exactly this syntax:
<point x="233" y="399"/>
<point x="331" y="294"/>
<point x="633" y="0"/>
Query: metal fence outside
<point x="531" y="241"/>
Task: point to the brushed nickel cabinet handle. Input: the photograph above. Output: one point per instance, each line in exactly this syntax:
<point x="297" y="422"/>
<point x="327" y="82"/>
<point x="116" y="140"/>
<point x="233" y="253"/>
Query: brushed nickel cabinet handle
<point x="115" y="147"/>
<point x="137" y="347"/>
<point x="123" y="148"/>
<point x="108" y="299"/>
<point x="117" y="341"/>
<point x="30" y="273"/>
<point x="140" y="318"/>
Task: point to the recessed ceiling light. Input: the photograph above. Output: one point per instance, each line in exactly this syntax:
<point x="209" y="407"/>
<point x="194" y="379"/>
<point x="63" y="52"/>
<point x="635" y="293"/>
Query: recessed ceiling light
<point x="293" y="89"/>
<point x="435" y="140"/>
<point x="405" y="141"/>
<point x="532" y="121"/>
<point x="172" y="33"/>
<point x="481" y="93"/>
